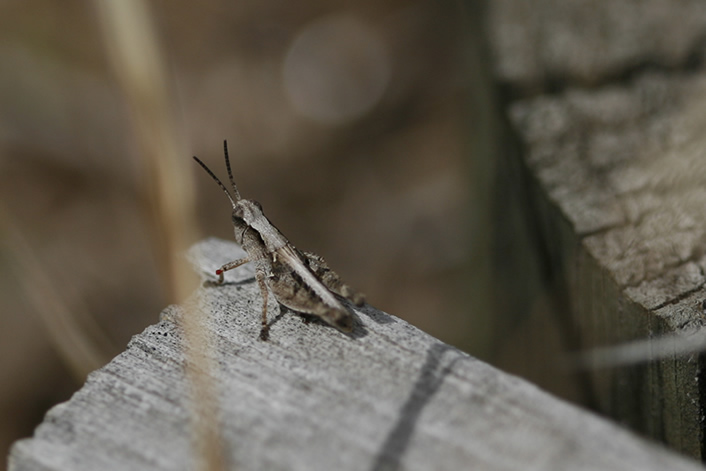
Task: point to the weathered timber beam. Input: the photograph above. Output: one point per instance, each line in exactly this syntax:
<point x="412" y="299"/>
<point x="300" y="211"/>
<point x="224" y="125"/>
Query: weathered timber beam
<point x="608" y="191"/>
<point x="617" y="177"/>
<point x="387" y="397"/>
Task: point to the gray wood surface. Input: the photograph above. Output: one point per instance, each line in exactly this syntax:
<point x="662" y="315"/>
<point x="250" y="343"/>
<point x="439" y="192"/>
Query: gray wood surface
<point x="387" y="397"/>
<point x="543" y="45"/>
<point x="621" y="188"/>
<point x="609" y="193"/>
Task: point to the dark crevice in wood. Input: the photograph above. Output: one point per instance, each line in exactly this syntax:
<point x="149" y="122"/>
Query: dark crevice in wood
<point x="552" y="85"/>
<point x="680" y="297"/>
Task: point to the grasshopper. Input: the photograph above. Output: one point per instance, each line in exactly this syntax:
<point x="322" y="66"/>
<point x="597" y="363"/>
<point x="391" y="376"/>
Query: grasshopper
<point x="301" y="281"/>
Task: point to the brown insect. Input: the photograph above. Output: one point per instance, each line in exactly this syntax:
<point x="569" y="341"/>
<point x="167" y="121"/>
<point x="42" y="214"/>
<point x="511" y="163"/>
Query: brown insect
<point x="301" y="281"/>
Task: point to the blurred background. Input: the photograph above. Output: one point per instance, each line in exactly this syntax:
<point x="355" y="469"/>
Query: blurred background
<point x="361" y="128"/>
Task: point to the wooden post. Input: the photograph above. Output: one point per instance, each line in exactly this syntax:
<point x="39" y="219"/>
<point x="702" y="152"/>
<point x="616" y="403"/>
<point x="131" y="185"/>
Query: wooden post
<point x="610" y="176"/>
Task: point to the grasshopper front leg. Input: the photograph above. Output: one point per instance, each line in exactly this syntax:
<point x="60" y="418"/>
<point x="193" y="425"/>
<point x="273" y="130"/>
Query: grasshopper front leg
<point x="264" y="333"/>
<point x="230" y="266"/>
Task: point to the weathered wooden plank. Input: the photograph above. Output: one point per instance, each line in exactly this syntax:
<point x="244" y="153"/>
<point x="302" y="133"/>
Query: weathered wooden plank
<point x="621" y="170"/>
<point x="609" y="179"/>
<point x="544" y="44"/>
<point x="387" y="397"/>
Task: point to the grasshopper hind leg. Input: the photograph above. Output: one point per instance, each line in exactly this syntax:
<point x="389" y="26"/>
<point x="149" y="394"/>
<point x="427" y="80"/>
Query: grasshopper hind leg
<point x="330" y="278"/>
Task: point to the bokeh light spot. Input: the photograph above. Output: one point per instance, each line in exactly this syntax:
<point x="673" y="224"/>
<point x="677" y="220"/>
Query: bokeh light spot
<point x="336" y="70"/>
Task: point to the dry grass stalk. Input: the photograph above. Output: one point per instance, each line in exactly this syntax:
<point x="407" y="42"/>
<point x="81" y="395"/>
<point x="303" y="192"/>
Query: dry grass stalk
<point x="139" y="65"/>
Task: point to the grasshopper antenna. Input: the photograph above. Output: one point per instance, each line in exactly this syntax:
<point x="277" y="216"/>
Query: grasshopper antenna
<point x="225" y="190"/>
<point x="230" y="174"/>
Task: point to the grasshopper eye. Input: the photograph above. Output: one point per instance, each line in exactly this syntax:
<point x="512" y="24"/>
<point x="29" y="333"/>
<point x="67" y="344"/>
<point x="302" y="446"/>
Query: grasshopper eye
<point x="257" y="203"/>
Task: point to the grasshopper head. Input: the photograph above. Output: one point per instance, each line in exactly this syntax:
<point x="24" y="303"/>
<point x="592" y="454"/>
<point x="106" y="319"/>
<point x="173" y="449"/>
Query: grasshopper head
<point x="247" y="211"/>
<point x="244" y="213"/>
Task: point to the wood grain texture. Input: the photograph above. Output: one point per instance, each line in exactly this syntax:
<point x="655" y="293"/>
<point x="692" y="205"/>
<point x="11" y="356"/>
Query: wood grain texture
<point x="544" y="44"/>
<point x="387" y="397"/>
<point x="608" y="188"/>
<point x="620" y="177"/>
